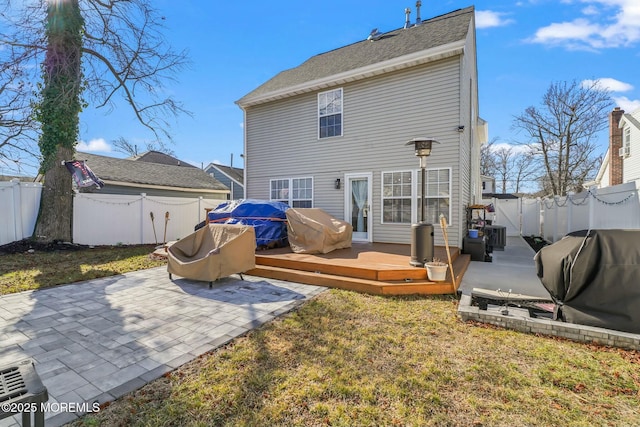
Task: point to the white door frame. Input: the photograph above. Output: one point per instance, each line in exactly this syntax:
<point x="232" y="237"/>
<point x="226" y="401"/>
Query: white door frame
<point x="368" y="236"/>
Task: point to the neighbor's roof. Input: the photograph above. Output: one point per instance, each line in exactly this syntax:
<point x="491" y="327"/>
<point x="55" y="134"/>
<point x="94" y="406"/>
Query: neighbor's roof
<point x="236" y="174"/>
<point x="125" y="171"/>
<point x="441" y="36"/>
<point x="159" y="157"/>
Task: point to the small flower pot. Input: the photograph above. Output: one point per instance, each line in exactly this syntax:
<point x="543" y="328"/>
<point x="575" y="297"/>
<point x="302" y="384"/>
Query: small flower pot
<point x="436" y="271"/>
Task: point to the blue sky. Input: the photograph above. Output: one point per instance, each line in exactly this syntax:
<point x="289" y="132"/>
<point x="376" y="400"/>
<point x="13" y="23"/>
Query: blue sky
<point x="523" y="46"/>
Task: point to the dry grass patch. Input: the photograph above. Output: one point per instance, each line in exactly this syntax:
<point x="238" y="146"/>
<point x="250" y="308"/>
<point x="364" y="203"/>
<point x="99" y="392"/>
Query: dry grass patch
<point x="26" y="271"/>
<point x="351" y="359"/>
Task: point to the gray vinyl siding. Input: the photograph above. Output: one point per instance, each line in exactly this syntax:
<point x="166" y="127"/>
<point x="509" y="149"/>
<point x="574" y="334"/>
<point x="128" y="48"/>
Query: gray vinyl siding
<point x="236" y="191"/>
<point x="379" y="116"/>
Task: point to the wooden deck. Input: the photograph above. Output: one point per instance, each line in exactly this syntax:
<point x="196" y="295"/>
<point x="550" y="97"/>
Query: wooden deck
<point x="375" y="268"/>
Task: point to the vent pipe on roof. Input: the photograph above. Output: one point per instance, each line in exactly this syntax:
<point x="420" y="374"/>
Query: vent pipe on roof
<point x="418" y="20"/>
<point x="407" y="22"/>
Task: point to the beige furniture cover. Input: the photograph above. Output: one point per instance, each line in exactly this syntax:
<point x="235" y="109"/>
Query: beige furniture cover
<point x="214" y="251"/>
<point x="313" y="231"/>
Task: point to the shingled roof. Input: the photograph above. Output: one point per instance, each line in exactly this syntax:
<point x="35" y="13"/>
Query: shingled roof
<point x="145" y="173"/>
<point x="237" y="174"/>
<point x="159" y="157"/>
<point x="436" y="36"/>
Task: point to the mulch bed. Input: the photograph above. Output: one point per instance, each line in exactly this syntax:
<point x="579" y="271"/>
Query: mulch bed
<point x="28" y="245"/>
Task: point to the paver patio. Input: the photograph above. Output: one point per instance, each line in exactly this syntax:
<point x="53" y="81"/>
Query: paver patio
<point x="97" y="340"/>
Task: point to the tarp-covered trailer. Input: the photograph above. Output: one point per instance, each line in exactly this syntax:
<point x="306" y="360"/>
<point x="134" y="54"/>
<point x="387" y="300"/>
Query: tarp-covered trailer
<point x="267" y="217"/>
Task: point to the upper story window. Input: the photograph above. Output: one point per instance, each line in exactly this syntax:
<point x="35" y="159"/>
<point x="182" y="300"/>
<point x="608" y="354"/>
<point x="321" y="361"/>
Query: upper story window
<point x="330" y="113"/>
<point x="627" y="136"/>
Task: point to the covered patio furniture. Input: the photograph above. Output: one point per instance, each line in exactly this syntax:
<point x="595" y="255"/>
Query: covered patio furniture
<point x="212" y="252"/>
<point x="314" y="231"/>
<point x="593" y="277"/>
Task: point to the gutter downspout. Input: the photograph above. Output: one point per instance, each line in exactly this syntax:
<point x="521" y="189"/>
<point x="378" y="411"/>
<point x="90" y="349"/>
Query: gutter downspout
<point x="244" y="150"/>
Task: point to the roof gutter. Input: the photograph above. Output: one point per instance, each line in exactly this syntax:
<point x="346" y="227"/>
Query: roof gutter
<point x="165" y="187"/>
<point x="399" y="63"/>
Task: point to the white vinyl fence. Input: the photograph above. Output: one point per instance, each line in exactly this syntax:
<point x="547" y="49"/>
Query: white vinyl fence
<point x="109" y="219"/>
<point x="19" y="204"/>
<point x="553" y="218"/>
<point x="616" y="207"/>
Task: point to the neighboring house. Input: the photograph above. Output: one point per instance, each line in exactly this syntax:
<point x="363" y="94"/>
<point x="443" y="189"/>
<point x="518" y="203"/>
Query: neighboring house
<point x="232" y="177"/>
<point x="488" y="185"/>
<point x="125" y="176"/>
<point x="621" y="162"/>
<point x="159" y="157"/>
<point x="331" y="133"/>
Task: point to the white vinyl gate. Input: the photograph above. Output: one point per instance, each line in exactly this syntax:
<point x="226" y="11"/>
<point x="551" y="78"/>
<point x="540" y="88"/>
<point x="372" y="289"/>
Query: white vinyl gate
<point x="507" y="214"/>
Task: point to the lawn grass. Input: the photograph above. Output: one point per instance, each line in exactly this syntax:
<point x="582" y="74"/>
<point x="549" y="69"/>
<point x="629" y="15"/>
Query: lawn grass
<point x="41" y="269"/>
<point x="347" y="359"/>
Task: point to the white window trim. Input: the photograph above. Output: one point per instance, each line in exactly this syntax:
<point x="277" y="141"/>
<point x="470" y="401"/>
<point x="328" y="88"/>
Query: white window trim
<point x="318" y="114"/>
<point x="290" y="198"/>
<point x="382" y="198"/>
<point x="415" y="194"/>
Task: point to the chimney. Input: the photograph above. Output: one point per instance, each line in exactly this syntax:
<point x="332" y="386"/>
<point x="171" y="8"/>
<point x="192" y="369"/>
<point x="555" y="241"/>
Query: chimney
<point x="418" y="20"/>
<point x="615" y="143"/>
<point x="407" y="22"/>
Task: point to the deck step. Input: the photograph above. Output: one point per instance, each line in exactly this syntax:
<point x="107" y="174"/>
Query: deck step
<point x="354" y="284"/>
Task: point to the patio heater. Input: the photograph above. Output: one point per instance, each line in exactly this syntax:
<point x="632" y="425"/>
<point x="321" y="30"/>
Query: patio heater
<point x="422" y="232"/>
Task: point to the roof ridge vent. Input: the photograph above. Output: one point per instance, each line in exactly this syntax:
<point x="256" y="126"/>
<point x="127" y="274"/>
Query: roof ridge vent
<point x="374" y="35"/>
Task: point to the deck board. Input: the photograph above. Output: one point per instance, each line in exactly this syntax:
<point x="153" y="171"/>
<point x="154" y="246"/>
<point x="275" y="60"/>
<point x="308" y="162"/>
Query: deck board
<point x="377" y="268"/>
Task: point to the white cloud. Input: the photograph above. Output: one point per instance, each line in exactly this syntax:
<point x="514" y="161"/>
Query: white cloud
<point x="98" y="144"/>
<point x="590" y="10"/>
<point x="604" y="24"/>
<point x="515" y="149"/>
<point x="609" y="84"/>
<point x="628" y="105"/>
<point x="489" y="19"/>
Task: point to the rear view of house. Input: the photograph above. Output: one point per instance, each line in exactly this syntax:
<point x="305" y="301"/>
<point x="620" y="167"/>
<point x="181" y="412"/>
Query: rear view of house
<point x="331" y="133"/>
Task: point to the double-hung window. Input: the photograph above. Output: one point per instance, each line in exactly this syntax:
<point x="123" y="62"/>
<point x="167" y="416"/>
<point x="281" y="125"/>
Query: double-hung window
<point x="296" y="192"/>
<point x="396" y="197"/>
<point x="401" y="196"/>
<point x="330" y="113"/>
<point x="438" y="196"/>
<point x="627" y="141"/>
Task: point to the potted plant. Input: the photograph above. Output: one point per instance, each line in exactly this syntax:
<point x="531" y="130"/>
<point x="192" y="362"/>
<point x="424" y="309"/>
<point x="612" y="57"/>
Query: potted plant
<point x="436" y="270"/>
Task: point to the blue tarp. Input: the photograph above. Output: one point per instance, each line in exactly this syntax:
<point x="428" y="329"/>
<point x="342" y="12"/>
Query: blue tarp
<point x="267" y="217"/>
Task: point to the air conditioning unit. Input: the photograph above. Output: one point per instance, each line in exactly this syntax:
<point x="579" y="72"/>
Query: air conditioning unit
<point x="624" y="151"/>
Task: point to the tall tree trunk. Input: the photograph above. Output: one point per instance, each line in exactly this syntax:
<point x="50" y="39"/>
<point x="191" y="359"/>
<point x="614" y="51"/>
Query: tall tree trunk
<point x="56" y="204"/>
<point x="58" y="112"/>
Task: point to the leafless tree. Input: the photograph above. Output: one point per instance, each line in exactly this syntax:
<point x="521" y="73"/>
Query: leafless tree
<point x="122" y="145"/>
<point x="17" y="142"/>
<point x="487" y="159"/>
<point x="504" y="164"/>
<point x="124" y="59"/>
<point x="524" y="170"/>
<point x="561" y="133"/>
